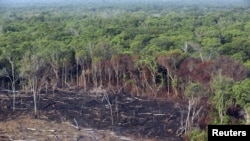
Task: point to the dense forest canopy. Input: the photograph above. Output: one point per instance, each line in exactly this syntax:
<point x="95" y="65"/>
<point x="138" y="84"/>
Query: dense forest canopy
<point x="191" y="50"/>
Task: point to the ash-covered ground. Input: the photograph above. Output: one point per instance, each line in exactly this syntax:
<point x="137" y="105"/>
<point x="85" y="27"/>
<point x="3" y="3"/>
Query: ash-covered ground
<point x="121" y="114"/>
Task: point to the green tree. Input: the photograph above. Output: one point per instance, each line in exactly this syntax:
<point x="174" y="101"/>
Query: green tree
<point x="241" y="91"/>
<point x="171" y="60"/>
<point x="148" y="60"/>
<point x="222" y="96"/>
<point x="11" y="53"/>
<point x="81" y="57"/>
<point x="194" y="92"/>
<point x="32" y="66"/>
<point x="53" y="53"/>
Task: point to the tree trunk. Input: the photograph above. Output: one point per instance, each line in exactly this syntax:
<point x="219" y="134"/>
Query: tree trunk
<point x="65" y="74"/>
<point x="83" y="79"/>
<point x="115" y="66"/>
<point x="109" y="78"/>
<point x="56" y="80"/>
<point x="13" y="82"/>
<point x="14" y="95"/>
<point x="77" y="73"/>
<point x="100" y="74"/>
<point x="187" y="125"/>
<point x="94" y="77"/>
<point x="33" y="86"/>
<point x="168" y="83"/>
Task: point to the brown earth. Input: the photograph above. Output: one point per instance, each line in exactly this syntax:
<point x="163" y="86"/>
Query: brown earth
<point x="92" y="116"/>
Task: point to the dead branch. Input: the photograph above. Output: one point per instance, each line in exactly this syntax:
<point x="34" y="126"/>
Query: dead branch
<point x="159" y="114"/>
<point x="49" y="130"/>
<point x="145" y="113"/>
<point x="48" y="105"/>
<point x="31" y="129"/>
<point x="77" y="124"/>
<point x="106" y="97"/>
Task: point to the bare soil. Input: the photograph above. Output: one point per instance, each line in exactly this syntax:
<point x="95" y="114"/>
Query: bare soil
<point x="92" y="116"/>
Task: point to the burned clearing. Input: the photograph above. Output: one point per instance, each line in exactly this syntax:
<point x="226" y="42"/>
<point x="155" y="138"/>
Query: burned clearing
<point x="123" y="114"/>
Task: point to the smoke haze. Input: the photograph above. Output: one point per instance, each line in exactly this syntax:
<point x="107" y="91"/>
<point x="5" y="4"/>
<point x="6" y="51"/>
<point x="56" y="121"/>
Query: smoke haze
<point x="178" y="2"/>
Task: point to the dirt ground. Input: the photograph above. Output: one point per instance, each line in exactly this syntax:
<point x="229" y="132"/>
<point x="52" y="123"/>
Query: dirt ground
<point x="29" y="129"/>
<point x="69" y="116"/>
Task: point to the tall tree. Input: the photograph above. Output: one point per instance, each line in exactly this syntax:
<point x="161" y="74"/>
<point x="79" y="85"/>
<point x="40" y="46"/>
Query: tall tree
<point x="11" y="53"/>
<point x="222" y="89"/>
<point x="33" y="71"/>
<point x="170" y="61"/>
<point x="147" y="62"/>
<point x="194" y="92"/>
<point x="241" y="91"/>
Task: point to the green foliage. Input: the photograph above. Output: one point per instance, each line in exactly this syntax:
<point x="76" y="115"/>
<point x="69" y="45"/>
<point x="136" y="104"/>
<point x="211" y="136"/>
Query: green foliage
<point x="163" y="42"/>
<point x="241" y="91"/>
<point x="222" y="96"/>
<point x="247" y="112"/>
<point x="198" y="135"/>
<point x="195" y="90"/>
<point x="148" y="58"/>
<point x="247" y="64"/>
<point x="139" y="42"/>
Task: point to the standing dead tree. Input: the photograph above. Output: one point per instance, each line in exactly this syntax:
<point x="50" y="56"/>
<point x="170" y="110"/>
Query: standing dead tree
<point x="194" y="92"/>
